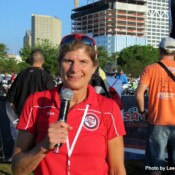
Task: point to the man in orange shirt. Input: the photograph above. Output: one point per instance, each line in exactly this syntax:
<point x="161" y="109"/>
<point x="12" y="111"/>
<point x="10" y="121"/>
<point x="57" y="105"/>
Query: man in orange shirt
<point x="161" y="110"/>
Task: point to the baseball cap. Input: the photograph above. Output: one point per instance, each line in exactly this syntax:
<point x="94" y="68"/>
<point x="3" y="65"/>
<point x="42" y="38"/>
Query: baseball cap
<point x="168" y="44"/>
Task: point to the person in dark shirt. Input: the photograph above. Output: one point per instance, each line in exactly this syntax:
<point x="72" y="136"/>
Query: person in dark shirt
<point x="28" y="81"/>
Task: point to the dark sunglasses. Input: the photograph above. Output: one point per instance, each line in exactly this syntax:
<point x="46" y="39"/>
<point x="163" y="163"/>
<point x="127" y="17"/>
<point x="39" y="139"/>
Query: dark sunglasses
<point x="84" y="38"/>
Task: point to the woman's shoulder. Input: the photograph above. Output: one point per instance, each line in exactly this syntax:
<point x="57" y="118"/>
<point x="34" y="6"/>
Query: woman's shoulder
<point x="105" y="101"/>
<point x="46" y="93"/>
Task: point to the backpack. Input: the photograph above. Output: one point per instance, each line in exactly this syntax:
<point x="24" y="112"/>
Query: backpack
<point x="114" y="95"/>
<point x="110" y="93"/>
<point x="99" y="85"/>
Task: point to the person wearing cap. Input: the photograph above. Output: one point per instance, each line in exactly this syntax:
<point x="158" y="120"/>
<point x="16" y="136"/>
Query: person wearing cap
<point x="90" y="141"/>
<point x="161" y="109"/>
<point x="111" y="71"/>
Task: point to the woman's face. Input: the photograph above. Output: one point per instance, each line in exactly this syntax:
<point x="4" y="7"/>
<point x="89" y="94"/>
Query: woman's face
<point x="77" y="69"/>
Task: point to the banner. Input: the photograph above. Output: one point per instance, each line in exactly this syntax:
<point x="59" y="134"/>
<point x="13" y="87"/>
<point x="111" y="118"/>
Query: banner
<point x="136" y="129"/>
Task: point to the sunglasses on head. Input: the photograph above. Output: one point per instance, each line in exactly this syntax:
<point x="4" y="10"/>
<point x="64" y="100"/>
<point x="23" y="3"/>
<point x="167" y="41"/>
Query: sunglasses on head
<point x="84" y="38"/>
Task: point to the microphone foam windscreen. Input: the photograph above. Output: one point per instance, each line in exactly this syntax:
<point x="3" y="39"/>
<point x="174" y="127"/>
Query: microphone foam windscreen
<point x="66" y="94"/>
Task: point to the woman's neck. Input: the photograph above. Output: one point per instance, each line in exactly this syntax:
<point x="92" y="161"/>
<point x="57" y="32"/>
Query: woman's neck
<point x="78" y="97"/>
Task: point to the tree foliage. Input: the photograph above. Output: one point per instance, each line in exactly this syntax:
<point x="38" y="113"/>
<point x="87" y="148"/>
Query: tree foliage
<point x="8" y="66"/>
<point x="134" y="58"/>
<point x="103" y="56"/>
<point x="25" y="53"/>
<point x="50" y="52"/>
<point x="3" y="50"/>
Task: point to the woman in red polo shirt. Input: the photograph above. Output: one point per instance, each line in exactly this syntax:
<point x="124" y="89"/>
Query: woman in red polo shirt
<point x="91" y="140"/>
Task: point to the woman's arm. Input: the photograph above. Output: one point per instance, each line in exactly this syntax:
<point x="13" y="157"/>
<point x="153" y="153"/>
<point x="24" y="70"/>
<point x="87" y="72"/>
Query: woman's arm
<point x="27" y="156"/>
<point x="116" y="156"/>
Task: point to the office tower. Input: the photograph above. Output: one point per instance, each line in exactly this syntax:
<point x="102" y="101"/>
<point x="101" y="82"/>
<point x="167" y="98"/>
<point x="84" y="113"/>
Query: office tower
<point x="46" y="27"/>
<point x="157" y="21"/>
<point x="117" y="24"/>
<point x="27" y="40"/>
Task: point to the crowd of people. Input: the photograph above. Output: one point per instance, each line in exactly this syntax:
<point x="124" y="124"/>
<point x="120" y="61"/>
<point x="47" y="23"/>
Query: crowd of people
<point x="128" y="86"/>
<point x="90" y="139"/>
<point x="6" y="81"/>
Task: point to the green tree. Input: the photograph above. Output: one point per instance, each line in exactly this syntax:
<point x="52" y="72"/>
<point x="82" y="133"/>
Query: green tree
<point x="50" y="53"/>
<point x="8" y="66"/>
<point x="103" y="56"/>
<point x="133" y="59"/>
<point x="115" y="56"/>
<point x="25" y="53"/>
<point x="3" y="50"/>
<point x="21" y="66"/>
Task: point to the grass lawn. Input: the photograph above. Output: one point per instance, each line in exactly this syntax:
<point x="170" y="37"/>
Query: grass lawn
<point x="5" y="169"/>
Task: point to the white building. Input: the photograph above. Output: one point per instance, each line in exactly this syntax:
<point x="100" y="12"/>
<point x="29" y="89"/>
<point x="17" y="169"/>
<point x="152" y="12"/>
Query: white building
<point x="157" y="25"/>
<point x="15" y="57"/>
<point x="117" y="24"/>
<point x="46" y="27"/>
<point x="27" y="40"/>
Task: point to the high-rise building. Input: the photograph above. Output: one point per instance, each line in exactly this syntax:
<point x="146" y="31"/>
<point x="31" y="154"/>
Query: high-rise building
<point x="157" y="25"/>
<point x="117" y="24"/>
<point x="27" y="41"/>
<point x="46" y="27"/>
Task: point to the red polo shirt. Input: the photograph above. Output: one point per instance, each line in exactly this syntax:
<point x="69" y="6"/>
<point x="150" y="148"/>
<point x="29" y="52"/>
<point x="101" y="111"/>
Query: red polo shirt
<point x="101" y="123"/>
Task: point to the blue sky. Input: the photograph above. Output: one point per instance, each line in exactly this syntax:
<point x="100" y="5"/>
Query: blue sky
<point x="15" y="18"/>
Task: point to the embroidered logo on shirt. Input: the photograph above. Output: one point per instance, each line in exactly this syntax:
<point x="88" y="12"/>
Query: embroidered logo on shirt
<point x="91" y="122"/>
<point x="50" y="114"/>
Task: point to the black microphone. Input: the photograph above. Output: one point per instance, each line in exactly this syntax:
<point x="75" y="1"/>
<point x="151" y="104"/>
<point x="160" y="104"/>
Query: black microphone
<point x="66" y="95"/>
